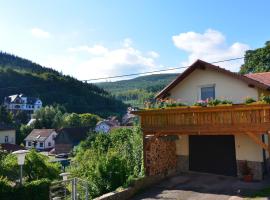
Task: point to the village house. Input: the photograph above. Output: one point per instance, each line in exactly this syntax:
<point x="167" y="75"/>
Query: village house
<point x="7" y="134"/>
<point x="68" y="138"/>
<point x="129" y="119"/>
<point x="106" y="125"/>
<point x="41" y="139"/>
<point x="20" y="102"/>
<point x="216" y="139"/>
<point x="8" y="139"/>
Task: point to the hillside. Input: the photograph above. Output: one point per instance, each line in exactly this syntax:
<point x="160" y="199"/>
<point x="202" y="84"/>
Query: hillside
<point x="18" y="75"/>
<point x="138" y="90"/>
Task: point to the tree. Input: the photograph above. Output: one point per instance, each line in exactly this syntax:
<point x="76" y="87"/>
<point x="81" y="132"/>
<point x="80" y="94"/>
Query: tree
<point x="49" y="117"/>
<point x="257" y="60"/>
<point x="5" y="116"/>
<point x="21" y="117"/>
<point x="108" y="161"/>
<point x="37" y="166"/>
<point x="22" y="133"/>
<point x="72" y="120"/>
<point x="88" y="119"/>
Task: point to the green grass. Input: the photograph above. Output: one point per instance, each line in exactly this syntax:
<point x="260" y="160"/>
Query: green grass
<point x="260" y="194"/>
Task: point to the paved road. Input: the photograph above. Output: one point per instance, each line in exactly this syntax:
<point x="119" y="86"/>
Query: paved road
<point x="196" y="186"/>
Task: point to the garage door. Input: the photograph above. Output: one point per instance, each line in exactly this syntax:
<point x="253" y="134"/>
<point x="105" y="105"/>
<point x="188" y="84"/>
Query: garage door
<point x="212" y="154"/>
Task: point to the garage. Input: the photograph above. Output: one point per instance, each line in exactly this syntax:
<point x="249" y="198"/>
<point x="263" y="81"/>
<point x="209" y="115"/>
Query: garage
<point x="212" y="154"/>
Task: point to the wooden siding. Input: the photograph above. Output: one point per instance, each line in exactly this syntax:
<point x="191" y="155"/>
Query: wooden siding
<point x="207" y="120"/>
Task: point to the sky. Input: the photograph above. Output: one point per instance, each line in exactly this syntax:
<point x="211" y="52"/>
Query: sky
<point x="94" y="39"/>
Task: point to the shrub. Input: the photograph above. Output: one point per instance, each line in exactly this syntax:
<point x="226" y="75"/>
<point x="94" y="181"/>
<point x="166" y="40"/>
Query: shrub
<point x="249" y="100"/>
<point x="35" y="190"/>
<point x="107" y="161"/>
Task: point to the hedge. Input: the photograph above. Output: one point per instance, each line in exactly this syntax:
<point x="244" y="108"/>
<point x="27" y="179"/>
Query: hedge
<point x="35" y="190"/>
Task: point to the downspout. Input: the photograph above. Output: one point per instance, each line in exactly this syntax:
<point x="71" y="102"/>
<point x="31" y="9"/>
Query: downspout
<point x="265" y="170"/>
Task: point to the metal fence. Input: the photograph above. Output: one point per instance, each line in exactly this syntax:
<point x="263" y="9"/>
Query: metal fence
<point x="71" y="189"/>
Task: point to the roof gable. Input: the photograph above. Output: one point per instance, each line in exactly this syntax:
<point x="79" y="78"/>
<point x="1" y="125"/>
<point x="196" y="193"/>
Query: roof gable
<point x="199" y="64"/>
<point x="39" y="135"/>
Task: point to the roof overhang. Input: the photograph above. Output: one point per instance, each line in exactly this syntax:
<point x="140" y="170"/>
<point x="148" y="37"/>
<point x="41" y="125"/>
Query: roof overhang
<point x="199" y="64"/>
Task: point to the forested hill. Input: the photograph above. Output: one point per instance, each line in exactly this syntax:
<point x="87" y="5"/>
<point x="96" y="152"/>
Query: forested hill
<point x="18" y="75"/>
<point x="138" y="90"/>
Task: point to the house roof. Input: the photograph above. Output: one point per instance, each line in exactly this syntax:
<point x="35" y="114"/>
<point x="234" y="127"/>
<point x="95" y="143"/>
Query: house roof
<point x="71" y="135"/>
<point x="11" y="147"/>
<point x="199" y="64"/>
<point x="39" y="135"/>
<point x="4" y="127"/>
<point x="263" y="77"/>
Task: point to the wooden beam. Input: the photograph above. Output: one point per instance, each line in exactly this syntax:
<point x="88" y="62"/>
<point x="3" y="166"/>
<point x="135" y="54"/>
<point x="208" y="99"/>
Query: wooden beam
<point x="257" y="140"/>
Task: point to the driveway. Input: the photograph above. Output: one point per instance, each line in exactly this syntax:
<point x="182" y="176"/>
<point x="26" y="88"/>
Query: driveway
<point x="198" y="186"/>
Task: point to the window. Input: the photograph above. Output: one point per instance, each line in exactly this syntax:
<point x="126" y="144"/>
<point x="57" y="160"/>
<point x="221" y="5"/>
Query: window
<point x="208" y="92"/>
<point x="49" y="144"/>
<point x="41" y="144"/>
<point x="6" y="139"/>
<point x="29" y="144"/>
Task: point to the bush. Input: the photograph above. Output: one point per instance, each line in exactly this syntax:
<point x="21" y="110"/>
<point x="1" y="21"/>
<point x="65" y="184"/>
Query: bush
<point x="35" y="190"/>
<point x="108" y="161"/>
<point x="37" y="166"/>
<point x="249" y="100"/>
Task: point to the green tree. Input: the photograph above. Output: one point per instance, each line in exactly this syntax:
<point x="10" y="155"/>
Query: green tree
<point x="108" y="161"/>
<point x="72" y="120"/>
<point x="37" y="166"/>
<point x="22" y="133"/>
<point x="257" y="60"/>
<point x="88" y="119"/>
<point x="5" y="116"/>
<point x="49" y="117"/>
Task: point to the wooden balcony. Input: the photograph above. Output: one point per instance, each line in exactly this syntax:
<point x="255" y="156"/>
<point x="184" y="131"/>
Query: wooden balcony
<point x="254" y="119"/>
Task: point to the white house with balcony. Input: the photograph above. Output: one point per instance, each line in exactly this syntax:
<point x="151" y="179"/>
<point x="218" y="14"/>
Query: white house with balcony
<point x="20" y="102"/>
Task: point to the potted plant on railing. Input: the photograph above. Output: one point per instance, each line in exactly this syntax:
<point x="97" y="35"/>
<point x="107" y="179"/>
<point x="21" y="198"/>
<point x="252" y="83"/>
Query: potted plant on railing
<point x="246" y="172"/>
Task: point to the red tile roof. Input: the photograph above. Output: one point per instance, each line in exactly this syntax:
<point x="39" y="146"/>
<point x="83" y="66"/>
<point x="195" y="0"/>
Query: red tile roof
<point x="39" y="134"/>
<point x="11" y="147"/>
<point x="263" y="77"/>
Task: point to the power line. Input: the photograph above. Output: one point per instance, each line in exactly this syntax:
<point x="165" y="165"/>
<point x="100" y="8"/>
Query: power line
<point x="119" y="76"/>
<point x="162" y="70"/>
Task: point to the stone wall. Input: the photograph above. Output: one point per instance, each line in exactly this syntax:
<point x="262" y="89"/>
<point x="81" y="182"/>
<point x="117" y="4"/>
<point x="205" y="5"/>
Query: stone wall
<point x="138" y="185"/>
<point x="256" y="169"/>
<point x="160" y="155"/>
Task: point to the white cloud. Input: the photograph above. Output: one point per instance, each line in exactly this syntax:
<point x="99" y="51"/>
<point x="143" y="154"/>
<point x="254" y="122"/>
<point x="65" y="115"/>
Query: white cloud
<point x="95" y="50"/>
<point x="39" y="33"/>
<point x="210" y="46"/>
<point x="101" y="61"/>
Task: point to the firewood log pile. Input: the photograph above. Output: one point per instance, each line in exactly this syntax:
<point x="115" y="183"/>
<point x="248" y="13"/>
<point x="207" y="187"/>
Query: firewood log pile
<point x="160" y="155"/>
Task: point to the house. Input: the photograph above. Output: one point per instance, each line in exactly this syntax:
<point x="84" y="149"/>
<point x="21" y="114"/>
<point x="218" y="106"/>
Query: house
<point x="7" y="134"/>
<point x="106" y="125"/>
<point x="67" y="138"/>
<point x="217" y="139"/>
<point x="20" y="102"/>
<point x="41" y="139"/>
<point x="129" y="119"/>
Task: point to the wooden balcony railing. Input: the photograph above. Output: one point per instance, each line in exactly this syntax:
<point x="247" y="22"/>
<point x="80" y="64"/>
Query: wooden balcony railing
<point x="207" y="120"/>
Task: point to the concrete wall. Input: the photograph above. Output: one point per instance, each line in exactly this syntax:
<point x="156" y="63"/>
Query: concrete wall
<point x="226" y="87"/>
<point x="247" y="149"/>
<point x="11" y="136"/>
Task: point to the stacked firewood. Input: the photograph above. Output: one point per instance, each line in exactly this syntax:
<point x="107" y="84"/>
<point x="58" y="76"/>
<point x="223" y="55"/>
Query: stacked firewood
<point x="160" y="155"/>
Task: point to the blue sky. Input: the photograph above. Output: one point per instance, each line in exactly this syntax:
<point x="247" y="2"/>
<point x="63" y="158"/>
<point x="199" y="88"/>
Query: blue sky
<point x="90" y="39"/>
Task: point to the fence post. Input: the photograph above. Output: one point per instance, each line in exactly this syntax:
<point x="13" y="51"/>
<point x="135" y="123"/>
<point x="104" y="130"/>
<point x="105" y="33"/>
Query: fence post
<point x="74" y="189"/>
